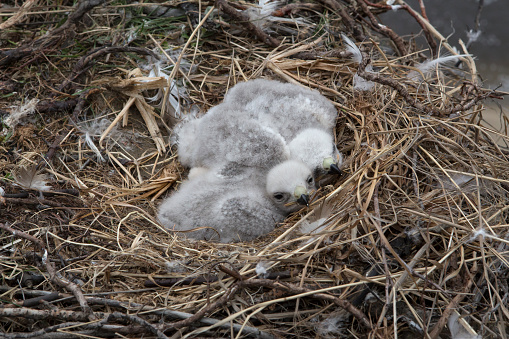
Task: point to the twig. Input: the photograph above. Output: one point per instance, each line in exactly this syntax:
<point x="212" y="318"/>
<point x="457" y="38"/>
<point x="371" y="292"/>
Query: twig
<point x="70" y="286"/>
<point x="94" y="329"/>
<point x="400" y="88"/>
<point x="34" y="202"/>
<point x="76" y="319"/>
<point x="51" y="38"/>
<point x="243" y="19"/>
<point x="83" y="64"/>
<point x="64" y="315"/>
<point x="18" y="16"/>
<point x="294" y="289"/>
<point x="200" y="314"/>
<point x="138" y="320"/>
<point x="423" y="10"/>
<point x="37" y="300"/>
<point x="349" y="23"/>
<point x="24" y="235"/>
<point x="51" y="329"/>
<point x="429" y="37"/>
<point x="453" y="305"/>
<point x="398" y="41"/>
<point x="133" y="307"/>
<point x="83" y="7"/>
<point x="461" y="107"/>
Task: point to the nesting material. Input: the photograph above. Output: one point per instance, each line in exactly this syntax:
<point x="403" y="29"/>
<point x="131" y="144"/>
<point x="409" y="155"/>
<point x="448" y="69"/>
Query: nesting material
<point x="417" y="225"/>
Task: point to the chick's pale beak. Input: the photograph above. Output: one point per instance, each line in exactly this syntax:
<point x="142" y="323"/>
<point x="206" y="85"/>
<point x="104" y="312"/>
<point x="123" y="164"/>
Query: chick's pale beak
<point x="327" y="162"/>
<point x="334" y="169"/>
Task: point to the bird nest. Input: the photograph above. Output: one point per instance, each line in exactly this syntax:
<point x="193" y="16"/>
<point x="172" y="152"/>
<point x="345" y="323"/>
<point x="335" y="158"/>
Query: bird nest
<point x="415" y="234"/>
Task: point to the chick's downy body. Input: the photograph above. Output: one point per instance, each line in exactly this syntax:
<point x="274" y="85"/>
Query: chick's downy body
<point x="286" y="107"/>
<point x="303" y="117"/>
<point x="226" y="135"/>
<point x="235" y="207"/>
<point x="317" y="149"/>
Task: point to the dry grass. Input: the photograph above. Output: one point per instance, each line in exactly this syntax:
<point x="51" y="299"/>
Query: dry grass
<point x="419" y="221"/>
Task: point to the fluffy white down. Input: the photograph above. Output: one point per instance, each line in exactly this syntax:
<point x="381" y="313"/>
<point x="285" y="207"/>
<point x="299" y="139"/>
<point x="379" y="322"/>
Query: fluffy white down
<point x="288" y="108"/>
<point x="312" y="146"/>
<point x="226" y="135"/>
<point x="231" y="208"/>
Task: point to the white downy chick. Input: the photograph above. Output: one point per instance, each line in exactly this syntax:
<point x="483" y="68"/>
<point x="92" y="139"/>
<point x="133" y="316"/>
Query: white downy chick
<point x="290" y="184"/>
<point x="229" y="137"/>
<point x="302" y="116"/>
<point x="238" y="207"/>
<point x="316" y="148"/>
<point x="288" y="108"/>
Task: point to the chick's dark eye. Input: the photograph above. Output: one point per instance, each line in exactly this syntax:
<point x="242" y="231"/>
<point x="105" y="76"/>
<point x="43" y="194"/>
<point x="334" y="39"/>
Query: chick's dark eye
<point x="278" y="196"/>
<point x="310" y="180"/>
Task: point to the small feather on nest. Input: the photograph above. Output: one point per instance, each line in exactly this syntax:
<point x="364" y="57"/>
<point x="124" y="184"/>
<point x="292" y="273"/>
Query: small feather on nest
<point x="317" y="222"/>
<point x="460" y="329"/>
<point x="359" y="83"/>
<point x="20" y="112"/>
<point x="28" y="178"/>
<point x="426" y="67"/>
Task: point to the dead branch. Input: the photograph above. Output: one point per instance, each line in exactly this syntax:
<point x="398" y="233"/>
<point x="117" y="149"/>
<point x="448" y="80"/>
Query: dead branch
<point x="243" y="19"/>
<point x="465" y="104"/>
<point x="294" y="289"/>
<point x="429" y="37"/>
<point x="50" y="267"/>
<point x="133" y="318"/>
<point x="77" y="320"/>
<point x="135" y="307"/>
<point x="18" y="16"/>
<point x="37" y="300"/>
<point x="83" y="7"/>
<point x="51" y="39"/>
<point x="34" y="202"/>
<point x="230" y="293"/>
<point x="24" y="235"/>
<point x="348" y="21"/>
<point x="375" y="25"/>
<point x="51" y="329"/>
<point x="85" y="62"/>
<point x="399" y="87"/>
<point x="423" y="9"/>
<point x="95" y="329"/>
<point x="63" y="315"/>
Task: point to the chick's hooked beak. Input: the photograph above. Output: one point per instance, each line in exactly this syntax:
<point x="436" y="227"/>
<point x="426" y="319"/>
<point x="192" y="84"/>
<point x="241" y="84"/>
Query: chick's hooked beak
<point x="334" y="169"/>
<point x="330" y="166"/>
<point x="301" y="194"/>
